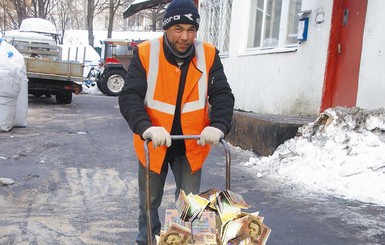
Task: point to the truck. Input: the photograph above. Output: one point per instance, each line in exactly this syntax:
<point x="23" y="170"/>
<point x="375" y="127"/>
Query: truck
<point x="48" y="74"/>
<point x="116" y="55"/>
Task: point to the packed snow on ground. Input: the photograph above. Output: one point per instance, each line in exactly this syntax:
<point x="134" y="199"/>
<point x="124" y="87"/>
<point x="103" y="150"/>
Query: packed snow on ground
<point x="342" y="153"/>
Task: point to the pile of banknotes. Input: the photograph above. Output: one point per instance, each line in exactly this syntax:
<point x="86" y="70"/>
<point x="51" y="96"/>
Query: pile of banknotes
<point x="213" y="217"/>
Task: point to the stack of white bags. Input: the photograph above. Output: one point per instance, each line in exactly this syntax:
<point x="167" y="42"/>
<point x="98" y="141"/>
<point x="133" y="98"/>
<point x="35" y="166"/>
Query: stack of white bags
<point x="13" y="88"/>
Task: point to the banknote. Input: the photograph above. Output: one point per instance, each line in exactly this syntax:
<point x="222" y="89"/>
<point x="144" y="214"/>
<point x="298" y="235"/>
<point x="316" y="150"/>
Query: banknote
<point x="257" y="230"/>
<point x="233" y="229"/>
<point x="206" y="223"/>
<point x="204" y="239"/>
<point x="213" y="217"/>
<point x="242" y="240"/>
<point x="190" y="207"/>
<point x="175" y="235"/>
<point x="211" y="195"/>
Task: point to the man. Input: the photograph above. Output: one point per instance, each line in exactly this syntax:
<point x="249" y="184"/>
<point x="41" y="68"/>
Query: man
<point x="169" y="85"/>
<point x="254" y="230"/>
<point x="173" y="239"/>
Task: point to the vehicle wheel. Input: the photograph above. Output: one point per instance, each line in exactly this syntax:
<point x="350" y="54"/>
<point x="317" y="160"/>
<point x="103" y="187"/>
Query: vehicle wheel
<point x="99" y="85"/>
<point x="113" y="82"/>
<point x="64" y="97"/>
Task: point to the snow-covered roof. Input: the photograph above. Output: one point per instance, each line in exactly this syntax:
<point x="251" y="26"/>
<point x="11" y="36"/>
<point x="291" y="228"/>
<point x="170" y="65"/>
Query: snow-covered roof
<point x="38" y="25"/>
<point x="29" y="37"/>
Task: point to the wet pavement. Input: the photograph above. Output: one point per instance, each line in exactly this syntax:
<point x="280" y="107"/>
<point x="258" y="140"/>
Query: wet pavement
<point x="75" y="183"/>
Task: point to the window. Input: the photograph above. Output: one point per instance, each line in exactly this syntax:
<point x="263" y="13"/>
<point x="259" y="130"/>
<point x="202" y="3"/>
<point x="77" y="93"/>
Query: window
<point x="273" y="23"/>
<point x="215" y="23"/>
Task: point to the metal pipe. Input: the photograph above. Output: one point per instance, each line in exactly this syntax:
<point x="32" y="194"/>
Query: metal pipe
<point x="228" y="163"/>
<point x="148" y="194"/>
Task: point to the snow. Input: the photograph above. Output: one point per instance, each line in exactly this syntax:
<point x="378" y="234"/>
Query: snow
<point x="80" y="37"/>
<point x="29" y="37"/>
<point x="82" y="53"/>
<point x="138" y="1"/>
<point x="91" y="89"/>
<point x="342" y="153"/>
<point x="37" y="25"/>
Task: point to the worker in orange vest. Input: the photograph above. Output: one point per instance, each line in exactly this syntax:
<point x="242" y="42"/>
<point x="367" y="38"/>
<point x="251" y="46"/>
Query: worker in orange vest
<point x="175" y="85"/>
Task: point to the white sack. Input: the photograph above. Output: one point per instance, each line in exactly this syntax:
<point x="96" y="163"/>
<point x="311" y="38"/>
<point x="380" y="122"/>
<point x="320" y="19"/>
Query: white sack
<point x="22" y="99"/>
<point x="22" y="105"/>
<point x="7" y="113"/>
<point x="12" y="69"/>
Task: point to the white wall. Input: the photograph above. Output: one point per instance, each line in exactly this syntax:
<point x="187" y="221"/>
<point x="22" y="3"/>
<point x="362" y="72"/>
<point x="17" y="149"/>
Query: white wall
<point x="279" y="83"/>
<point x="371" y="88"/>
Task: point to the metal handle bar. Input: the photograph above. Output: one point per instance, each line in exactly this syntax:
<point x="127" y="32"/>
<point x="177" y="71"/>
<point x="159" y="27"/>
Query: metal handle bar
<point x="148" y="190"/>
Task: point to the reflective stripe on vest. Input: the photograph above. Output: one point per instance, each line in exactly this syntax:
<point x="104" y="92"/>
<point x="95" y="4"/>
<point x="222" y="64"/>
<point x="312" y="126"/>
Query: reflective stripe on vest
<point x="152" y="77"/>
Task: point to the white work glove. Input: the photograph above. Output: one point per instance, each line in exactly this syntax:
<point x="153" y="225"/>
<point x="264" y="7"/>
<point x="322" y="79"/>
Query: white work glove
<point x="158" y="135"/>
<point x="210" y="135"/>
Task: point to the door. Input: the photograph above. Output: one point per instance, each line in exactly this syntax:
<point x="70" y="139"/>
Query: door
<point x="344" y="53"/>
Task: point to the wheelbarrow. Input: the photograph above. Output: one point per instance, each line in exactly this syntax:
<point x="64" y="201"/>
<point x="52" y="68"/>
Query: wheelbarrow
<point x="148" y="188"/>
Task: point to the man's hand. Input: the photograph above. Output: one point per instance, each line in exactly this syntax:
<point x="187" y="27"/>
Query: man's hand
<point x="158" y="135"/>
<point x="210" y="135"/>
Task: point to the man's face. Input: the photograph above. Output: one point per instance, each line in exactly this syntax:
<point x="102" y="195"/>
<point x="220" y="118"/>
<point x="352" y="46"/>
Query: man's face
<point x="173" y="240"/>
<point x="253" y="230"/>
<point x="181" y="36"/>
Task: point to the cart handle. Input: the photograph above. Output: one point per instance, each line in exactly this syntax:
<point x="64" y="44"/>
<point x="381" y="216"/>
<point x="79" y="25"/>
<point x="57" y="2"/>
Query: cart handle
<point x="148" y="194"/>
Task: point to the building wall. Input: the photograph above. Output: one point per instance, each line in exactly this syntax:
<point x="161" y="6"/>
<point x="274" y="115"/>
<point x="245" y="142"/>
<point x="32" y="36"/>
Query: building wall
<point x="371" y="86"/>
<point x="284" y="83"/>
<point x="291" y="82"/>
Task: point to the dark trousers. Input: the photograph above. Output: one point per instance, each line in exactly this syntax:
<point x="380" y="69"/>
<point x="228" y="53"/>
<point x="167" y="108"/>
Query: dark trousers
<point x="184" y="180"/>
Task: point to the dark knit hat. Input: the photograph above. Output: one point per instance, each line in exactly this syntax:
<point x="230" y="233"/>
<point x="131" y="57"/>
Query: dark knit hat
<point x="181" y="12"/>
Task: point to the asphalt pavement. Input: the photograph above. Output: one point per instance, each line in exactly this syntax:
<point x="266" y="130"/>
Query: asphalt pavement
<point x="75" y="183"/>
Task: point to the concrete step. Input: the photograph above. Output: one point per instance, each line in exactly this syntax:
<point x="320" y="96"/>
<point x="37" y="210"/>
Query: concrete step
<point x="263" y="133"/>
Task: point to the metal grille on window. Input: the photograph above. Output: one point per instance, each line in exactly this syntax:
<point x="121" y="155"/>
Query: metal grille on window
<point x="215" y="23"/>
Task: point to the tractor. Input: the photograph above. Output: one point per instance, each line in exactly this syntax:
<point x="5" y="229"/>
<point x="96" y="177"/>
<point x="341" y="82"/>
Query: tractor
<point x="116" y="55"/>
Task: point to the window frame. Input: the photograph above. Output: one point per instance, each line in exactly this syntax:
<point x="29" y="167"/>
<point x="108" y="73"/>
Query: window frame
<point x="284" y="28"/>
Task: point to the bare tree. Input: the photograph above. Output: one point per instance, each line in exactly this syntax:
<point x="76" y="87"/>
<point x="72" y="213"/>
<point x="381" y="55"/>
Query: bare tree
<point x="94" y="7"/>
<point x="7" y="16"/>
<point x="41" y="8"/>
<point x="90" y="20"/>
<point x="14" y="12"/>
<point x="156" y="16"/>
<point x="67" y="14"/>
<point x="61" y="16"/>
<point x="114" y="5"/>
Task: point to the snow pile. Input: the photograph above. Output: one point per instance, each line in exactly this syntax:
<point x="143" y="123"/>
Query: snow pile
<point x="342" y="153"/>
<point x="91" y="88"/>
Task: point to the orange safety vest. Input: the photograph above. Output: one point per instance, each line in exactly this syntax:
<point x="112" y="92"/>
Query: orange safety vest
<point x="160" y="101"/>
